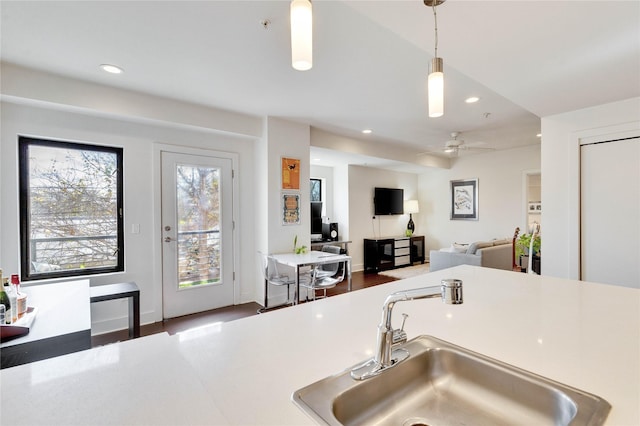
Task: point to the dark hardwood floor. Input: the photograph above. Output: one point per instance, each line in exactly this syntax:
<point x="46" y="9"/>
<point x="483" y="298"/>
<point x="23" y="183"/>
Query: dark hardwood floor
<point x="359" y="280"/>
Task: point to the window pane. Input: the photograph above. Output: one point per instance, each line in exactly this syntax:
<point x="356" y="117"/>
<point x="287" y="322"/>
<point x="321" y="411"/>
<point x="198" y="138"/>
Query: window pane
<point x="198" y="209"/>
<point x="72" y="196"/>
<point x="316" y="189"/>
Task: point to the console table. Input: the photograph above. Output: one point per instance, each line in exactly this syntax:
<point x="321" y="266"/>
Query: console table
<point x="395" y="252"/>
<point x="62" y="324"/>
<point x="317" y="245"/>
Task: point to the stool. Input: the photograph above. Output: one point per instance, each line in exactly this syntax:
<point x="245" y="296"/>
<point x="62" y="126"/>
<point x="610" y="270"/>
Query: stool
<point x="120" y="291"/>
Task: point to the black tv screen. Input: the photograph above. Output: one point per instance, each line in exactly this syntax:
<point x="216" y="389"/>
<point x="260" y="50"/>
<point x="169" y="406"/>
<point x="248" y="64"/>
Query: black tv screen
<point x="387" y="201"/>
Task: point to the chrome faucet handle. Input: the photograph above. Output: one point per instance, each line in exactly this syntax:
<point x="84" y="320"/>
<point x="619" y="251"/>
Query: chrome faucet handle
<point x="404" y="319"/>
<point x="400" y="336"/>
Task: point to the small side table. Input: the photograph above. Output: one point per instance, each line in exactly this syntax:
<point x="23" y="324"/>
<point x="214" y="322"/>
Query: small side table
<point x="119" y="291"/>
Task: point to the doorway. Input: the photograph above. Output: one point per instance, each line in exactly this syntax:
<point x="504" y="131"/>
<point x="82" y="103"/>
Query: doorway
<point x="197" y="233"/>
<point x="610" y="212"/>
<point x="532" y="190"/>
<point x="534" y="200"/>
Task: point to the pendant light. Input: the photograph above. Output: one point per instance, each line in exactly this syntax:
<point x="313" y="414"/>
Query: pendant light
<point x="301" y="35"/>
<point x="435" y="81"/>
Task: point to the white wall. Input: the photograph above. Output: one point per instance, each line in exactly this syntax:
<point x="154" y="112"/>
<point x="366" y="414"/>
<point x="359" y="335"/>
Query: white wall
<point x="501" y="199"/>
<point x="561" y="136"/>
<point x="362" y="181"/>
<point x="341" y="206"/>
<point x="290" y="140"/>
<point x="141" y="195"/>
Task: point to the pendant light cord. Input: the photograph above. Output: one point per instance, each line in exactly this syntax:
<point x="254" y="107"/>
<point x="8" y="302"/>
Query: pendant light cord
<point x="435" y="19"/>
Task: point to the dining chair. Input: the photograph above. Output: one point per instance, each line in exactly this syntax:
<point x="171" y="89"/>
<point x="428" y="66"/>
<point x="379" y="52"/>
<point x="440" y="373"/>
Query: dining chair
<point x="324" y="277"/>
<point x="328" y="269"/>
<point x="271" y="275"/>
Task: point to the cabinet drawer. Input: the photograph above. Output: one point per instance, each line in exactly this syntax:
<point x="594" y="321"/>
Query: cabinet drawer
<point x="402" y="251"/>
<point x="404" y="242"/>
<point x="402" y="260"/>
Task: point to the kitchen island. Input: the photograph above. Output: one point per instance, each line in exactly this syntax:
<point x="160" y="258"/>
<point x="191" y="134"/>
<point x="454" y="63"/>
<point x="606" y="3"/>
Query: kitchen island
<point x="243" y="372"/>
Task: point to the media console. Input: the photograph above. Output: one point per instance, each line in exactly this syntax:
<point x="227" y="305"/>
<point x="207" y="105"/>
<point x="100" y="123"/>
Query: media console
<point x="387" y="253"/>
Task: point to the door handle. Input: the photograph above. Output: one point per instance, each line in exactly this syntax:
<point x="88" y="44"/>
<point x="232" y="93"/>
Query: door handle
<point x="168" y="239"/>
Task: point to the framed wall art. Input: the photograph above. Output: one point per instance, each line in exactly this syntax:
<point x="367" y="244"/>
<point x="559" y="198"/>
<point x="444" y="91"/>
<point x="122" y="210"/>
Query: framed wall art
<point x="290" y="173"/>
<point x="291" y="208"/>
<point x="464" y="199"/>
<point x="535" y="207"/>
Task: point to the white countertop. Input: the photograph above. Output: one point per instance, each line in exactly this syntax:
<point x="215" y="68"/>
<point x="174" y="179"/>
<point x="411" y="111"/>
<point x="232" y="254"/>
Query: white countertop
<point x="63" y="308"/>
<point x="244" y="372"/>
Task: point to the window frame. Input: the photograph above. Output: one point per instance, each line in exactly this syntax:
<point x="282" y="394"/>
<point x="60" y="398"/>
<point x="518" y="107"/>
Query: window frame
<point x="24" y="143"/>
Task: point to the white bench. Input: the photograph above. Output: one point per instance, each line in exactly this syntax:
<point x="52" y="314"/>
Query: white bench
<point x="119" y="291"/>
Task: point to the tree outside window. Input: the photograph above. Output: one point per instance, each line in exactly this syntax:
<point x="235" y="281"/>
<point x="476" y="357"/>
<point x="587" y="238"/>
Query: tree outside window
<point x="71" y="209"/>
<point x="316" y="189"/>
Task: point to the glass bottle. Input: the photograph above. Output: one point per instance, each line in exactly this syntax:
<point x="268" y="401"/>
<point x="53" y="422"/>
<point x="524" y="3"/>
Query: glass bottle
<point x="6" y="303"/>
<point x="21" y="298"/>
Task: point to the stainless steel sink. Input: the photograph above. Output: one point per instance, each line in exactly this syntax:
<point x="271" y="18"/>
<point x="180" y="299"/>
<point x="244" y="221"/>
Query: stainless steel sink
<point x="444" y="384"/>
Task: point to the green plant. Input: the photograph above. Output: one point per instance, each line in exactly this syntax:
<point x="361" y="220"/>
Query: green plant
<point x="523" y="243"/>
<point x="296" y="249"/>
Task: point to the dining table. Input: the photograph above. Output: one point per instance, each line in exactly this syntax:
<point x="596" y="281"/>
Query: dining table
<point x="312" y="258"/>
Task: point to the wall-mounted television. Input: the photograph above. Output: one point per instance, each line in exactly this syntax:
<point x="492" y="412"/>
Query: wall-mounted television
<point x="388" y="201"/>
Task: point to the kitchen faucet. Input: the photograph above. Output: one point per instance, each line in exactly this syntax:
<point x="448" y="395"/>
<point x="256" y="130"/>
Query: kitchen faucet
<point x="450" y="290"/>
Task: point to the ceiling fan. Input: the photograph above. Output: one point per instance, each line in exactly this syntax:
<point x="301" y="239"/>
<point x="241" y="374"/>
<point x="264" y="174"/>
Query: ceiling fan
<point x="455" y="145"/>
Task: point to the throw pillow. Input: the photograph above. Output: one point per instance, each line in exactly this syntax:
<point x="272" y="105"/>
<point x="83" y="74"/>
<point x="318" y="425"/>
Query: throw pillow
<point x="459" y="248"/>
<point x="455" y="248"/>
<point x="473" y="247"/>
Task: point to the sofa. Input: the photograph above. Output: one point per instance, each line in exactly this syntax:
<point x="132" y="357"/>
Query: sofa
<point x="491" y="254"/>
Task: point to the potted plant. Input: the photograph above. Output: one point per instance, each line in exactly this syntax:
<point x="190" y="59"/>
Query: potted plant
<point x="296" y="249"/>
<point x="522" y="247"/>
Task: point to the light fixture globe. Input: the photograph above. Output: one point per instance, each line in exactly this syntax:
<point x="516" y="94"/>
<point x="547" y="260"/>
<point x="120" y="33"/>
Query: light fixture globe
<point x="435" y="89"/>
<point x="301" y="35"/>
<point x="435" y="81"/>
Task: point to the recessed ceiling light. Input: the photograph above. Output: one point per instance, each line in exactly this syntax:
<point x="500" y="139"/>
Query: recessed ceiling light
<point x="472" y="100"/>
<point x="367" y="131"/>
<point x="539" y="135"/>
<point x="111" y="69"/>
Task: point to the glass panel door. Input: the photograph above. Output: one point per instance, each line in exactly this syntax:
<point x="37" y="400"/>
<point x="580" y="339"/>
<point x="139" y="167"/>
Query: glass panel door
<point x="197" y="229"/>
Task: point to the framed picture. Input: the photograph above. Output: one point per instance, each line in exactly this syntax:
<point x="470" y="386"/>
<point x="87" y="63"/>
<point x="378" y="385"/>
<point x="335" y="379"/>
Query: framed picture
<point x="535" y="207"/>
<point x="291" y="208"/>
<point x="464" y="199"/>
<point x="290" y="173"/>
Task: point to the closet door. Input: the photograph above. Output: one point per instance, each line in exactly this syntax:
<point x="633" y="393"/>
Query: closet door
<point x="610" y="212"/>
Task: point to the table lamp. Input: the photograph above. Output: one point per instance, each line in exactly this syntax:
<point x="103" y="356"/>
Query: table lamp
<point x="411" y="206"/>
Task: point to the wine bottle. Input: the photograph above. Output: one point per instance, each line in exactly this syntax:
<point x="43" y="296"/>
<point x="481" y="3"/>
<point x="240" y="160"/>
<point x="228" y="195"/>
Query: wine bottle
<point x="4" y="300"/>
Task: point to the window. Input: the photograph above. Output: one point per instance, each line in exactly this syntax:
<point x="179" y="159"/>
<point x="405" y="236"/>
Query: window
<point x="316" y="189"/>
<point x="71" y="209"/>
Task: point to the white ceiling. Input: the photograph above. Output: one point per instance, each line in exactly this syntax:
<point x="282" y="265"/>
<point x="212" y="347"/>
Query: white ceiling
<point x="524" y="59"/>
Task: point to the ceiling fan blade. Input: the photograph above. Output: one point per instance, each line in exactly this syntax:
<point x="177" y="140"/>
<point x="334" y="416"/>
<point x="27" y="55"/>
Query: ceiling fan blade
<point x="476" y="148"/>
